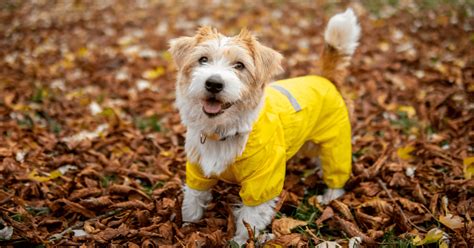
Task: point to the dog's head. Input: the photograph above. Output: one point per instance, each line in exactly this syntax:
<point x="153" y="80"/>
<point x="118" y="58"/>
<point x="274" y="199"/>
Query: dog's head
<point x="219" y="77"/>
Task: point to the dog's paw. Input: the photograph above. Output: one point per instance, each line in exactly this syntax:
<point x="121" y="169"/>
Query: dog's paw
<point x="192" y="213"/>
<point x="265" y="237"/>
<point x="261" y="238"/>
<point x="194" y="203"/>
<point x="331" y="194"/>
<point x="240" y="240"/>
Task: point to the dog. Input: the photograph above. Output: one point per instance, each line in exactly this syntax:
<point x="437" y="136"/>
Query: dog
<point x="241" y="128"/>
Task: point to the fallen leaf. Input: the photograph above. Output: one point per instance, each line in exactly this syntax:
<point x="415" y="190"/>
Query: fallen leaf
<point x="411" y="206"/>
<point x="79" y="233"/>
<point x="452" y="221"/>
<point x="6" y="233"/>
<point x="284" y="225"/>
<point x="404" y="152"/>
<point x="154" y="73"/>
<point x="434" y="235"/>
<point x="77" y="208"/>
<point x="35" y="176"/>
<point x="290" y="240"/>
<point x="327" y="214"/>
<point x="468" y="163"/>
<point x="409" y="110"/>
<point x="355" y="242"/>
<point x="343" y="209"/>
<point x="352" y="229"/>
<point x="328" y="244"/>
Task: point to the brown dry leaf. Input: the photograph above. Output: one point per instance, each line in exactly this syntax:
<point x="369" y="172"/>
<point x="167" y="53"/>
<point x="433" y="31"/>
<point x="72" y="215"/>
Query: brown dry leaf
<point x="290" y="240"/>
<point x="373" y="222"/>
<point x="411" y="206"/>
<point x="126" y="190"/>
<point x="196" y="240"/>
<point x="342" y="208"/>
<point x="77" y="208"/>
<point x="313" y="200"/>
<point x="284" y="225"/>
<point x="380" y="205"/>
<point x="352" y="229"/>
<point x="86" y="192"/>
<point x="452" y="221"/>
<point x="100" y="202"/>
<point x="326" y="214"/>
<point x="112" y="233"/>
<point x="250" y="243"/>
<point x="134" y="204"/>
<point x="5" y="152"/>
<point x="89" y="228"/>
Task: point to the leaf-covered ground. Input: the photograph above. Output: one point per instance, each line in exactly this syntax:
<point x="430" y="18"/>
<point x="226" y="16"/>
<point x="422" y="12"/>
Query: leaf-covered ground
<point x="91" y="147"/>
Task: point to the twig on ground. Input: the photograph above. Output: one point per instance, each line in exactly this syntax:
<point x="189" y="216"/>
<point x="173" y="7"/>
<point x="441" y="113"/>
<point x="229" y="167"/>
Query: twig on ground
<point x="60" y="235"/>
<point x="382" y="184"/>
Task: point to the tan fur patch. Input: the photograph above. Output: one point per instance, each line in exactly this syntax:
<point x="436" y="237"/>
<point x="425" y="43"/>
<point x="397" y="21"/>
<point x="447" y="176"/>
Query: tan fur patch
<point x="206" y="33"/>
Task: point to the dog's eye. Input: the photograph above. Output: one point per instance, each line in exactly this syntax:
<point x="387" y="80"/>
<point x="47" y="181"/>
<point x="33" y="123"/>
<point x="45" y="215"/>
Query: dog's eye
<point x="239" y="66"/>
<point x="203" y="60"/>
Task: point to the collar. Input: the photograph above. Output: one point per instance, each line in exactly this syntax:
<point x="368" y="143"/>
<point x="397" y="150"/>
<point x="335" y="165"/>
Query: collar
<point x="215" y="137"/>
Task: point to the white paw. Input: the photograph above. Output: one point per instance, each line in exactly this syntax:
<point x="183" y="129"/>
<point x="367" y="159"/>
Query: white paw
<point x="240" y="240"/>
<point x="258" y="217"/>
<point x="329" y="195"/>
<point x="194" y="203"/>
<point x="261" y="238"/>
<point x="265" y="237"/>
<point x="192" y="213"/>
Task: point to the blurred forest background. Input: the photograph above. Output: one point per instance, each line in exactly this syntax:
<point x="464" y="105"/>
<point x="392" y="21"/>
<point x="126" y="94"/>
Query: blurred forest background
<point x="91" y="147"/>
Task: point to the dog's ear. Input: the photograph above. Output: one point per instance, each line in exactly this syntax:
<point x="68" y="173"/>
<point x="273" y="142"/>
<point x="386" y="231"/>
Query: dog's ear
<point x="268" y="62"/>
<point x="180" y="47"/>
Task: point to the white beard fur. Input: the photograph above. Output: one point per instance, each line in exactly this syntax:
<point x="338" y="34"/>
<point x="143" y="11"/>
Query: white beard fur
<point x="214" y="156"/>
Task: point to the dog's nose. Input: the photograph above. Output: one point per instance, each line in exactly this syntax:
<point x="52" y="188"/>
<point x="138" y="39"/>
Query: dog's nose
<point x="214" y="84"/>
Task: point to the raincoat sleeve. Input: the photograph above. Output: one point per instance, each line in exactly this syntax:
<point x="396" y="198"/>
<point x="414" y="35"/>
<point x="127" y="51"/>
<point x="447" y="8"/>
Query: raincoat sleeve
<point x="265" y="181"/>
<point x="195" y="179"/>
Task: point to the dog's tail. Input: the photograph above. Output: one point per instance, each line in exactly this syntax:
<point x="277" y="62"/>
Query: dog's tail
<point x="341" y="39"/>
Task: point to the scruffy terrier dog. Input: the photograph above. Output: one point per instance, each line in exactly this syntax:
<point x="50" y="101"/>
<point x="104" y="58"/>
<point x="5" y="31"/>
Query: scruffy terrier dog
<point x="241" y="128"/>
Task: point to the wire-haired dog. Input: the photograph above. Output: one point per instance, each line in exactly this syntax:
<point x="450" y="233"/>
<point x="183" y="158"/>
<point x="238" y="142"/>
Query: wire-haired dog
<point x="242" y="129"/>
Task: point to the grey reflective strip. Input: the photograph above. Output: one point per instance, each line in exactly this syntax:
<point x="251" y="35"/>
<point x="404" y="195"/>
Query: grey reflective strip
<point x="290" y="97"/>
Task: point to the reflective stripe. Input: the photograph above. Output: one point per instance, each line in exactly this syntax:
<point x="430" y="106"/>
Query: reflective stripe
<point x="290" y="97"/>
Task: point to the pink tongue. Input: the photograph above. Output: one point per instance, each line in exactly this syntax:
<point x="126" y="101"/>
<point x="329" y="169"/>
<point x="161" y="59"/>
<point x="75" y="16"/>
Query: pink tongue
<point x="212" y="107"/>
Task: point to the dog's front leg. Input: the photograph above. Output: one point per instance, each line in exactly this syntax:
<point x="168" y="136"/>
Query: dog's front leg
<point x="258" y="217"/>
<point x="194" y="203"/>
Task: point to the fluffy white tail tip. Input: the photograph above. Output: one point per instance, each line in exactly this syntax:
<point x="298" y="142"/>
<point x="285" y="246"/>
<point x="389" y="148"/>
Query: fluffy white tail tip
<point x="343" y="32"/>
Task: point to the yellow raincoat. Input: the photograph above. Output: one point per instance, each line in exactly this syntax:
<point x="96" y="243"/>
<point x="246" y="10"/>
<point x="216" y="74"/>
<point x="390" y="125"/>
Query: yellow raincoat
<point x="296" y="110"/>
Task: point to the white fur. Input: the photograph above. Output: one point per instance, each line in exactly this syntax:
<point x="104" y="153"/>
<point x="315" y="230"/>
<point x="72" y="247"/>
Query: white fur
<point x="329" y="195"/>
<point x="258" y="217"/>
<point x="215" y="156"/>
<point x="194" y="203"/>
<point x="343" y="32"/>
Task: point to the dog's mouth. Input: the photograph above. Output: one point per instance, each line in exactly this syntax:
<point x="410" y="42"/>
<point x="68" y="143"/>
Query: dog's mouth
<point x="213" y="107"/>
